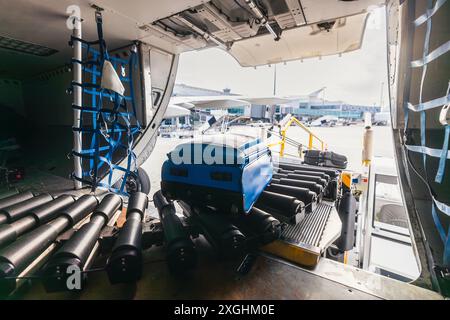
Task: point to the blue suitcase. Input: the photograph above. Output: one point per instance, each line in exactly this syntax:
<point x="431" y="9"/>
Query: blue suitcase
<point x="227" y="172"/>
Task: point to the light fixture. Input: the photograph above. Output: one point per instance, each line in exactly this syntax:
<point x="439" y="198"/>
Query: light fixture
<point x="25" y="47"/>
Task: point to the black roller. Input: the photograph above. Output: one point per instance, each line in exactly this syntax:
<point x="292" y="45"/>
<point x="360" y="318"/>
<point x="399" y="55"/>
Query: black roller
<point x="310" y="173"/>
<point x="77" y="250"/>
<point x="275" y="180"/>
<point x="312" y="186"/>
<point x="48" y="211"/>
<point x="221" y="233"/>
<point x="10" y="232"/>
<point x="329" y="191"/>
<point x="322" y="175"/>
<point x="279" y="176"/>
<point x="332" y="190"/>
<point x="20" y="197"/>
<point x="263" y="224"/>
<point x="138" y="202"/>
<point x="347" y="212"/>
<point x="19" y="254"/>
<point x="35" y="217"/>
<point x="181" y="255"/>
<point x="306" y="177"/>
<point x="77" y="211"/>
<point x="331" y="172"/>
<point x="19" y="210"/>
<point x="286" y="208"/>
<point x="306" y="196"/>
<point x="109" y="205"/>
<point x="125" y="263"/>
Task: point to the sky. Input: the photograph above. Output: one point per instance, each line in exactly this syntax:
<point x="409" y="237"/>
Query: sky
<point x="355" y="77"/>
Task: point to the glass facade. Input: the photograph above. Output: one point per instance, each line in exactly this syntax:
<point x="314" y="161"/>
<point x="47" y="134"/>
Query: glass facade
<point x="331" y="109"/>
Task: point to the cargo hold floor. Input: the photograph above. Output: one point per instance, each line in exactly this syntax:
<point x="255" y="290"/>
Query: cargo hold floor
<point x="43" y="154"/>
<point x="270" y="278"/>
<point x="42" y="181"/>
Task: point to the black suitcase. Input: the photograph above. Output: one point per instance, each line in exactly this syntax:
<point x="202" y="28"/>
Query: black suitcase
<point x="326" y="159"/>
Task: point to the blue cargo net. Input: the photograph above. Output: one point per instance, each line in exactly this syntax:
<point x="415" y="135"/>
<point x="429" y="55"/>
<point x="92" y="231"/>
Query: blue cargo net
<point x="438" y="208"/>
<point x="108" y="120"/>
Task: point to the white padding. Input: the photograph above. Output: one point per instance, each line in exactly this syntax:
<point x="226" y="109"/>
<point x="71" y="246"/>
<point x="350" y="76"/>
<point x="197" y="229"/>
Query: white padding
<point x="367" y="152"/>
<point x="110" y="79"/>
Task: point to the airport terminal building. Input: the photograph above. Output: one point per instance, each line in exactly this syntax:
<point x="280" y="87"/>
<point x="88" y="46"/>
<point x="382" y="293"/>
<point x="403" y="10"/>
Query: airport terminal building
<point x="310" y="106"/>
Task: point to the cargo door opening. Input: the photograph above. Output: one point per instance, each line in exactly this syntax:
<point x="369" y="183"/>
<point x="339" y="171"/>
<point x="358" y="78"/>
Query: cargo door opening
<point x="35" y="126"/>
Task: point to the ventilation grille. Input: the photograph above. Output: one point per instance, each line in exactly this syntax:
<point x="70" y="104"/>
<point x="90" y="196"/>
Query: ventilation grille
<point x="25" y="47"/>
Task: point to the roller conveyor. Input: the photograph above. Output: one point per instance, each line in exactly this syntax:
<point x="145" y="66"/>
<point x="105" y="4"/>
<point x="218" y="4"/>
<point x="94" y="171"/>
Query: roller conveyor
<point x="333" y="173"/>
<point x="19" y="255"/>
<point x="125" y="261"/>
<point x="19" y="209"/>
<point x="34" y="217"/>
<point x="294" y="196"/>
<point x="79" y="250"/>
<point x="11" y="200"/>
<point x="311" y="186"/>
<point x="304" y="242"/>
<point x="330" y="177"/>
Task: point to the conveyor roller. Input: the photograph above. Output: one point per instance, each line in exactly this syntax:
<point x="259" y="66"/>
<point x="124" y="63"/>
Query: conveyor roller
<point x="125" y="263"/>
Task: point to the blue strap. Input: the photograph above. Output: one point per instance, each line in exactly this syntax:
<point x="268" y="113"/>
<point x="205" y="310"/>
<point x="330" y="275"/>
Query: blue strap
<point x="438" y="224"/>
<point x="406" y="113"/>
<point x="101" y="111"/>
<point x="444" y="208"/>
<point x="447" y="250"/>
<point x="421" y="107"/>
<point x="102" y="45"/>
<point x="445" y="236"/>
<point x="422" y="80"/>
<point x="443" y="157"/>
<point x="104" y="94"/>
<point x="112" y="129"/>
<point x="444" y="152"/>
<point x="437" y="153"/>
<point x="422" y="136"/>
<point x="427" y="16"/>
<point x="431" y="56"/>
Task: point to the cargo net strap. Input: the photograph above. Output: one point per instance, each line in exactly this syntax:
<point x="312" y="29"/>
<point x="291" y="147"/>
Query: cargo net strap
<point x="438" y="208"/>
<point x="107" y="123"/>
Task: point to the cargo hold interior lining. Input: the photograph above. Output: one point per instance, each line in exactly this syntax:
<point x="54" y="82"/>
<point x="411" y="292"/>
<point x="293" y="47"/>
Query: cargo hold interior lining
<point x="36" y="120"/>
<point x="35" y="126"/>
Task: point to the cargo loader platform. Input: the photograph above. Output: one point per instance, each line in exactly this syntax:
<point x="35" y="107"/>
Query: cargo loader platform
<point x="305" y="242"/>
<point x="271" y="277"/>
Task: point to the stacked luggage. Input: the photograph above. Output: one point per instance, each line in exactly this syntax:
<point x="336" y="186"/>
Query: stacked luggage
<point x="326" y="159"/>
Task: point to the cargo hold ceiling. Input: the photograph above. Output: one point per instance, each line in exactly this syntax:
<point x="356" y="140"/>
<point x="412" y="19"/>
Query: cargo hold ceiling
<point x="285" y="29"/>
<point x="258" y="32"/>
